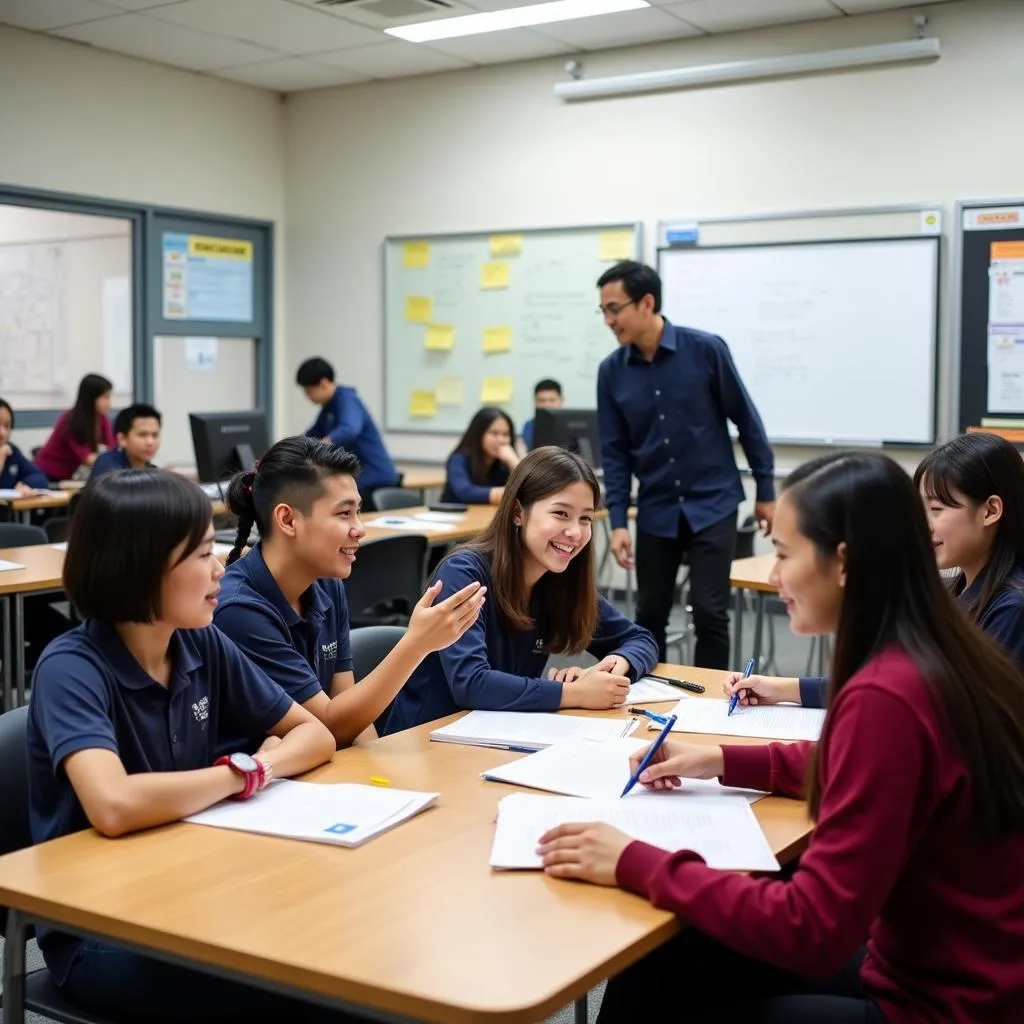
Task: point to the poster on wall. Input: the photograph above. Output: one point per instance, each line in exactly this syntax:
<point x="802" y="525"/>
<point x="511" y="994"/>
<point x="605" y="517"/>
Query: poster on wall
<point x="207" y="278"/>
<point x="1006" y="327"/>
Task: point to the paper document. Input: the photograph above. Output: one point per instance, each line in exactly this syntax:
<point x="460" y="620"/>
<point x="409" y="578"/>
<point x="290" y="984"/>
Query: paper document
<point x="650" y="691"/>
<point x="63" y="546"/>
<point x="408" y="523"/>
<point x="5" y="565"/>
<point x="10" y="494"/>
<point x="438" y="517"/>
<point x="762" y="721"/>
<point x="600" y="770"/>
<point x="724" y="832"/>
<point x="342" y="814"/>
<point x="528" y="730"/>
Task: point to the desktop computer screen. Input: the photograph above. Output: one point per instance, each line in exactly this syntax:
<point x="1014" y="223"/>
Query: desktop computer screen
<point x="227" y="442"/>
<point x="574" y="429"/>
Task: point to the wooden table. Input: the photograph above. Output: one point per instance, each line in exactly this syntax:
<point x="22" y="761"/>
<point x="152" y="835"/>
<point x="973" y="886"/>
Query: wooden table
<point x="753" y="574"/>
<point x="474" y="521"/>
<point x="24" y="507"/>
<point x="412" y="926"/>
<point x="421" y="477"/>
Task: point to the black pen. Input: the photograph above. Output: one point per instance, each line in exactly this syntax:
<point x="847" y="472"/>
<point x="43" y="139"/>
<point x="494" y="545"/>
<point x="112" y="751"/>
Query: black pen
<point x="682" y="684"/>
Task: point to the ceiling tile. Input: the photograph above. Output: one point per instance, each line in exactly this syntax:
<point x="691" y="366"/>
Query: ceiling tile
<point x="290" y="75"/>
<point x="863" y="6"/>
<point x="139" y="36"/>
<point x="42" y="15"/>
<point x="280" y="26"/>
<point x="496" y="47"/>
<point x="392" y="60"/>
<point x="731" y="15"/>
<point x="647" y="25"/>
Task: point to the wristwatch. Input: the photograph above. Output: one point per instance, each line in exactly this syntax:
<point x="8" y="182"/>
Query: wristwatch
<point x="256" y="773"/>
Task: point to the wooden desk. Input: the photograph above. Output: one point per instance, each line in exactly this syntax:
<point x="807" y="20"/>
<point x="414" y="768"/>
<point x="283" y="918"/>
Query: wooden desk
<point x="24" y="507"/>
<point x="474" y="521"/>
<point x="414" y="925"/>
<point x="424" y="478"/>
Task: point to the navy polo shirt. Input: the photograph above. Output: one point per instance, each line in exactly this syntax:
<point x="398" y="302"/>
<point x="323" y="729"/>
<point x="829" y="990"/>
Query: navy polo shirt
<point x="89" y="692"/>
<point x="666" y="423"/>
<point x="459" y="485"/>
<point x="497" y="668"/>
<point x="109" y="461"/>
<point x="16" y="469"/>
<point x="301" y="653"/>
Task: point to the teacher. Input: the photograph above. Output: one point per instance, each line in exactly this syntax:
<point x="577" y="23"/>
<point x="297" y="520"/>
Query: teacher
<point x="663" y="402"/>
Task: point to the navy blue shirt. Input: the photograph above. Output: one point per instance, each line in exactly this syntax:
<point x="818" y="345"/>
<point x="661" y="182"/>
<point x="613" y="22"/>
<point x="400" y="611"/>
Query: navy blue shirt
<point x="665" y="422"/>
<point x="497" y="668"/>
<point x="110" y="461"/>
<point x="301" y="653"/>
<point x="1003" y="620"/>
<point x="89" y="692"/>
<point x="17" y="469"/>
<point x="527" y="435"/>
<point x="459" y="484"/>
<point x="347" y="422"/>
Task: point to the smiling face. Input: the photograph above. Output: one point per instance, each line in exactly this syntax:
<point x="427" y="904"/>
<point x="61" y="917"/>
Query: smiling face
<point x="497" y="436"/>
<point x="326" y="539"/>
<point x="188" y="592"/>
<point x="627" y="319"/>
<point x="962" y="534"/>
<point x="555" y="529"/>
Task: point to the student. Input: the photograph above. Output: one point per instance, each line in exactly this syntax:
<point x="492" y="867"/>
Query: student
<point x="916" y="788"/>
<point x="345" y="421"/>
<point x="137" y="430"/>
<point x="82" y="433"/>
<point x="547" y="394"/>
<point x="284" y="603"/>
<point x="535" y="561"/>
<point x="479" y="467"/>
<point x="126" y="714"/>
<point x="17" y="473"/>
<point x="973" y="491"/>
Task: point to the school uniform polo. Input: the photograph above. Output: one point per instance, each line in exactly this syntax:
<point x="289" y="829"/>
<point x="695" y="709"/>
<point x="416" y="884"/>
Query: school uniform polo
<point x="89" y="692"/>
<point x="17" y="469"/>
<point x="109" y="462"/>
<point x="459" y="485"/>
<point x="497" y="668"/>
<point x="301" y="653"/>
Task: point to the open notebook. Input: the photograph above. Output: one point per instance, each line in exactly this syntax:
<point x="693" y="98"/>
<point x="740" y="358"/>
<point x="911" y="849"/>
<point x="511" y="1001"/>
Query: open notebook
<point x="760" y="721"/>
<point x="528" y="730"/>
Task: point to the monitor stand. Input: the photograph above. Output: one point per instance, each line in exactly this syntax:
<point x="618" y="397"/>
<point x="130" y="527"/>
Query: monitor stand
<point x="245" y="457"/>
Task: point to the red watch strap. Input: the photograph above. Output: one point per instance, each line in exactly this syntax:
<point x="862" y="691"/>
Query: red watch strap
<point x="252" y="779"/>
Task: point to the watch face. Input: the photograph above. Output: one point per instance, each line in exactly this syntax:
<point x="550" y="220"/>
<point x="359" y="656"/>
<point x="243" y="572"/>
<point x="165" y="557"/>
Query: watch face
<point x="244" y="763"/>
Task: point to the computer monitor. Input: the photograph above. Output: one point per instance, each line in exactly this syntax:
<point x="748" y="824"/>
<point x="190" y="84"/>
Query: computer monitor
<point x="575" y="429"/>
<point x="227" y="442"/>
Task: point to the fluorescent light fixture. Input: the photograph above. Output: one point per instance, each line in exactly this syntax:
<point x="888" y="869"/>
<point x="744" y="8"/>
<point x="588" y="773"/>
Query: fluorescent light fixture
<point x="743" y="70"/>
<point x="514" y="17"/>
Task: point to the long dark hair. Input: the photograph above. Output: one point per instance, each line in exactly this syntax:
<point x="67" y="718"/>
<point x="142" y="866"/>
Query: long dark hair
<point x="569" y="598"/>
<point x="82" y="423"/>
<point x="981" y="466"/>
<point x="291" y="472"/>
<point x="893" y="596"/>
<point x="471" y="442"/>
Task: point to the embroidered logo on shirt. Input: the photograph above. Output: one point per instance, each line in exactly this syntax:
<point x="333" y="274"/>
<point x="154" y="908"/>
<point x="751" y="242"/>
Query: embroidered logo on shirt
<point x="201" y="709"/>
<point x="538" y="646"/>
<point x="330" y="651"/>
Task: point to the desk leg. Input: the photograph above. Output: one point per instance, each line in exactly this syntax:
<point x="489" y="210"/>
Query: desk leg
<point x="737" y="639"/>
<point x="606" y="554"/>
<point x="18" y="661"/>
<point x="579" y="1011"/>
<point x="8" y="652"/>
<point x="762" y="604"/>
<point x="13" y="1009"/>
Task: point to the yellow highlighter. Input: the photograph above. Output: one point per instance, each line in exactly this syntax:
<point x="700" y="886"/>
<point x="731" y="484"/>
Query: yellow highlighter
<point x="378" y="780"/>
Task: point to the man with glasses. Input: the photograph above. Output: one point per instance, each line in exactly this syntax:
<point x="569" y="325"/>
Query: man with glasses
<point x="663" y="402"/>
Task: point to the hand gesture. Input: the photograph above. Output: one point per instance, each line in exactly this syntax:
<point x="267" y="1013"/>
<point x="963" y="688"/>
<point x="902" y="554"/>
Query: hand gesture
<point x="432" y="627"/>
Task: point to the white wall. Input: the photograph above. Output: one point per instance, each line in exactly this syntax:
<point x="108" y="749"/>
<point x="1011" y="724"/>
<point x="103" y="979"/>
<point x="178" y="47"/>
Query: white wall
<point x="74" y="119"/>
<point x="493" y="148"/>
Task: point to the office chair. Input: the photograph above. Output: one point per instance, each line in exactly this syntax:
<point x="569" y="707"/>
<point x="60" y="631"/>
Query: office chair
<point x="370" y="646"/>
<point x="389" y="498"/>
<point x="387" y="581"/>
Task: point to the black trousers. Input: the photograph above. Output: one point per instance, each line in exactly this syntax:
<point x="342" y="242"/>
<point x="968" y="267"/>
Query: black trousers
<point x="710" y="553"/>
<point x="696" y="979"/>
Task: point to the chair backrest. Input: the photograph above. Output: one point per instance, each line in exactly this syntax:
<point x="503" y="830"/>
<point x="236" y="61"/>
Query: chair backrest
<point x="57" y="528"/>
<point x="14" y="827"/>
<point x="370" y="645"/>
<point x="21" y="535"/>
<point x="388" y="498"/>
<point x="745" y="538"/>
<point x="388" y="570"/>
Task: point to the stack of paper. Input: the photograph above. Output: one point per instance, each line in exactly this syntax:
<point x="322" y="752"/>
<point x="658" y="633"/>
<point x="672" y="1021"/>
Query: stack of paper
<point x="724" y="832"/>
<point x="408" y="523"/>
<point x="587" y="768"/>
<point x="650" y="691"/>
<point x="528" y="730"/>
<point x="760" y="721"/>
<point x="342" y="814"/>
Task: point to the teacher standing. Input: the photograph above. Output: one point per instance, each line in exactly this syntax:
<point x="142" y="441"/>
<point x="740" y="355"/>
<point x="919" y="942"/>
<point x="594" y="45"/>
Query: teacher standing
<point x="663" y="402"/>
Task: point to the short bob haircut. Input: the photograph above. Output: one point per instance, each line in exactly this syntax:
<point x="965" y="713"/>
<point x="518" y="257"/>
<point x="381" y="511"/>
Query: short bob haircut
<point x="125" y="529"/>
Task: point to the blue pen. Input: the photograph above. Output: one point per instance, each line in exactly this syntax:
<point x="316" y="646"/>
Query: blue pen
<point x="649" y="756"/>
<point x="660" y="719"/>
<point x="735" y="699"/>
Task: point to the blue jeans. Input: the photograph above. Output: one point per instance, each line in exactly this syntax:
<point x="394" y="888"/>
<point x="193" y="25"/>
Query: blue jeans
<point x="121" y="984"/>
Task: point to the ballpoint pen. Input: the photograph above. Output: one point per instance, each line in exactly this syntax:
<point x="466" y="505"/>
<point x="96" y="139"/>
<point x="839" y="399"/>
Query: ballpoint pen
<point x="660" y="719"/>
<point x="735" y="699"/>
<point x="649" y="756"/>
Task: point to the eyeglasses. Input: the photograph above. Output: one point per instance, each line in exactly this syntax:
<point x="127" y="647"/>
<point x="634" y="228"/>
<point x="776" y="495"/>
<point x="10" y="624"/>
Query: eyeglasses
<point x="614" y="309"/>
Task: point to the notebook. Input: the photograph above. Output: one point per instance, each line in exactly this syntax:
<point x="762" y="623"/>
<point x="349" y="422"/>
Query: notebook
<point x="528" y="730"/>
<point x="760" y="721"/>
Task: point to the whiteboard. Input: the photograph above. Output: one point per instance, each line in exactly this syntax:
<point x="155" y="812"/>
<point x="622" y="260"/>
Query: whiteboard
<point x="836" y="341"/>
<point x="543" y="321"/>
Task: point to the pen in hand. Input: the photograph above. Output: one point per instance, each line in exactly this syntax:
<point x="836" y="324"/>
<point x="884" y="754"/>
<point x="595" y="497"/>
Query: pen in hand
<point x="649" y="756"/>
<point x="735" y="698"/>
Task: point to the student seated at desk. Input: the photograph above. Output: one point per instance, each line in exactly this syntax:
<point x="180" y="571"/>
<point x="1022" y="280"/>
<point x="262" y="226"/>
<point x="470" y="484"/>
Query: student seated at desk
<point x="479" y="468"/>
<point x="547" y="394"/>
<point x="127" y="713"/>
<point x="536" y="563"/>
<point x="81" y="434"/>
<point x="17" y="473"/>
<point x="284" y="603"/>
<point x="137" y="430"/>
<point x="916" y="789"/>
<point x="973" y="491"/>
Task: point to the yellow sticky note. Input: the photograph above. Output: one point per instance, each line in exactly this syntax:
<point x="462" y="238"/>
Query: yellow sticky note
<point x="616" y="245"/>
<point x="440" y="337"/>
<point x="422" y="404"/>
<point x="416" y="255"/>
<point x="506" y="245"/>
<point x="449" y="390"/>
<point x="418" y="309"/>
<point x="496" y="390"/>
<point x="497" y="339"/>
<point x="493" y="276"/>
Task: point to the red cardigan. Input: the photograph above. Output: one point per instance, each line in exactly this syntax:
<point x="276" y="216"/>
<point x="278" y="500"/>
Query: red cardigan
<point x="891" y="858"/>
<point x="63" y="454"/>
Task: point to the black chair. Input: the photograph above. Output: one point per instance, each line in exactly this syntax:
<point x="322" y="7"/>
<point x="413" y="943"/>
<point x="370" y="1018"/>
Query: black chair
<point x="41" y="994"/>
<point x="389" y="498"/>
<point x="387" y="581"/>
<point x="745" y="535"/>
<point x="370" y="646"/>
<point x="21" y="535"/>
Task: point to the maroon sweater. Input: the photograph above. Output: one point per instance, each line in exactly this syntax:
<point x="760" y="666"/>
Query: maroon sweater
<point x="891" y="858"/>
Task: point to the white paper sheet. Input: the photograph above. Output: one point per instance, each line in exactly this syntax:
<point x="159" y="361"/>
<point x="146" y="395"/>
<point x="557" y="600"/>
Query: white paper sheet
<point x="5" y="565"/>
<point x="439" y="517"/>
<point x="762" y="721"/>
<point x="409" y="524"/>
<point x="528" y="730"/>
<point x="62" y="546"/>
<point x="650" y="691"/>
<point x="724" y="832"/>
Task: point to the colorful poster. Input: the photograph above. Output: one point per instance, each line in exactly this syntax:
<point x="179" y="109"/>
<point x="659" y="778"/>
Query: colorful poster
<point x="207" y="278"/>
<point x="1006" y="369"/>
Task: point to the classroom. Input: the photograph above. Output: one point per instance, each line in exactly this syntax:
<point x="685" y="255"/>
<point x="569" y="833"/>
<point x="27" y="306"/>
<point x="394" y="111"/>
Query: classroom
<point x="202" y="201"/>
